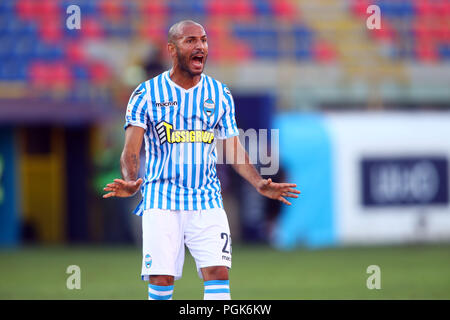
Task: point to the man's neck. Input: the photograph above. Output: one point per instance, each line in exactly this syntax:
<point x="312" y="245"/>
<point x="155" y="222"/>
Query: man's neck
<point x="183" y="79"/>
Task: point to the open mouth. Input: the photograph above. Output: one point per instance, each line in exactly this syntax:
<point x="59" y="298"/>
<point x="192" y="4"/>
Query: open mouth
<point x="197" y="60"/>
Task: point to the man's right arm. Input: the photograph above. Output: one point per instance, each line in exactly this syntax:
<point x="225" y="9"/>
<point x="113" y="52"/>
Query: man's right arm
<point x="135" y="125"/>
<point x="129" y="160"/>
<point x="129" y="165"/>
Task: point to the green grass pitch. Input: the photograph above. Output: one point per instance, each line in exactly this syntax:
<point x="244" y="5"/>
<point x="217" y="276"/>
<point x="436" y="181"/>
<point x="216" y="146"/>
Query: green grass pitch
<point x="259" y="272"/>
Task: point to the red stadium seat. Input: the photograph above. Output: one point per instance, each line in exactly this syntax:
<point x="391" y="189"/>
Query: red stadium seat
<point x="154" y="8"/>
<point x="285" y="9"/>
<point x="421" y="29"/>
<point x="439" y="29"/>
<point x="74" y="53"/>
<point x="446" y="9"/>
<point x="50" y="31"/>
<point x="92" y="28"/>
<point x="99" y="73"/>
<point x="61" y="75"/>
<point x="324" y="52"/>
<point x="241" y="10"/>
<point x="26" y="9"/>
<point x="112" y="9"/>
<point x="39" y="74"/>
<point x="48" y="9"/>
<point x="155" y="31"/>
<point x="385" y="33"/>
<point x="242" y="51"/>
<point x="426" y="51"/>
<point x="218" y="8"/>
<point x="359" y="7"/>
<point x="217" y="29"/>
<point x="423" y="7"/>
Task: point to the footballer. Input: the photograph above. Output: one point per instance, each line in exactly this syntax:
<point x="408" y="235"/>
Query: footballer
<point x="179" y="114"/>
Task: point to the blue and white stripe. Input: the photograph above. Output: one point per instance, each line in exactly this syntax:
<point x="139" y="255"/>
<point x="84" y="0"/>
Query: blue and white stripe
<point x="159" y="292"/>
<point x="217" y="286"/>
<point x="181" y="176"/>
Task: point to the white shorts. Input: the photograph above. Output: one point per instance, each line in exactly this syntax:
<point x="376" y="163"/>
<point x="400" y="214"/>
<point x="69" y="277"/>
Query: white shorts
<point x="206" y="233"/>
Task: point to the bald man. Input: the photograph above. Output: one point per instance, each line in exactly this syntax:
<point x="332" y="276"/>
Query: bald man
<point x="179" y="114"/>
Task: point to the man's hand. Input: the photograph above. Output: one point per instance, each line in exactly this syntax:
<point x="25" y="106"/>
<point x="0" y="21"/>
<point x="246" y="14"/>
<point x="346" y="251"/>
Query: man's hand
<point x="277" y="191"/>
<point x="122" y="189"/>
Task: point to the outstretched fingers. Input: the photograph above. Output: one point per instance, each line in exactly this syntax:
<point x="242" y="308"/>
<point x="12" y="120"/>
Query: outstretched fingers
<point x="286" y="194"/>
<point x="113" y="188"/>
<point x="293" y="191"/>
<point x="120" y="181"/>
<point x="284" y="201"/>
<point x="287" y="185"/>
<point x="290" y="192"/>
<point x="109" y="195"/>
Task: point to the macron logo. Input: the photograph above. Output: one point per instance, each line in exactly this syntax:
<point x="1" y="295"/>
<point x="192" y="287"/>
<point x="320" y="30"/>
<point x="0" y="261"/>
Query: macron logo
<point x="166" y="104"/>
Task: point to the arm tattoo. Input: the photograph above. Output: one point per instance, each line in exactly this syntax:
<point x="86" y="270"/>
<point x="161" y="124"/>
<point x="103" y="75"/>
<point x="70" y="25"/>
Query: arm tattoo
<point x="129" y="164"/>
<point x="134" y="159"/>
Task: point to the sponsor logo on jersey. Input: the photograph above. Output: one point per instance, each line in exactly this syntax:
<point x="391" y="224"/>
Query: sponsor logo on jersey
<point x="166" y="133"/>
<point x="167" y="104"/>
<point x="209" y="107"/>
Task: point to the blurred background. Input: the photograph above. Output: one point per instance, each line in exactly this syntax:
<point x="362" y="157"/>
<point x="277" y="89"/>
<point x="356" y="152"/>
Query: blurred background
<point x="364" y="130"/>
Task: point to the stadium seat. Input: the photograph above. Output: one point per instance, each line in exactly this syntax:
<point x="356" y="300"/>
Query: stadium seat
<point x="99" y="73"/>
<point x="242" y="10"/>
<point x="50" y="30"/>
<point x="285" y="10"/>
<point x="444" y="52"/>
<point x="33" y="40"/>
<point x="324" y="52"/>
<point x="263" y="8"/>
<point x="426" y="52"/>
<point x="154" y="8"/>
<point x="92" y="28"/>
<point x="74" y="53"/>
<point x="113" y="10"/>
<point x="26" y="9"/>
<point x="61" y="74"/>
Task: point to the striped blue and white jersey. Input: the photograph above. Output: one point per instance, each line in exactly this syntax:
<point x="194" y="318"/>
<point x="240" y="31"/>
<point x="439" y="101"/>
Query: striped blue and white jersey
<point x="181" y="128"/>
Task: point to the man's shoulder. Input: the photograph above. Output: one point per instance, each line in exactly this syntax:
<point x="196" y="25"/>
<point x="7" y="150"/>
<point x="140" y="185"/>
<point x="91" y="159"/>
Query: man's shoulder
<point x="144" y="88"/>
<point x="150" y="81"/>
<point x="213" y="80"/>
<point x="222" y="86"/>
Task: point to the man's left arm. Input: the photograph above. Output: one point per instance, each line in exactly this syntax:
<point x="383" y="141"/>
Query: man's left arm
<point x="239" y="159"/>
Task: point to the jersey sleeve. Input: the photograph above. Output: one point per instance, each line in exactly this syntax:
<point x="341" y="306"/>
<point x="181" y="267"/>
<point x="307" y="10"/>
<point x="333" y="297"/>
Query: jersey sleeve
<point x="137" y="108"/>
<point x="227" y="127"/>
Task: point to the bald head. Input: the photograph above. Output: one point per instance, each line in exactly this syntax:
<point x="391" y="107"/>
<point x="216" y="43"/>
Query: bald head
<point x="188" y="47"/>
<point x="176" y="31"/>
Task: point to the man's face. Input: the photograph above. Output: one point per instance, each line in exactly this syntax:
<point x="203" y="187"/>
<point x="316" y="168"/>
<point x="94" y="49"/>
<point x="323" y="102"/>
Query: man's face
<point x="192" y="49"/>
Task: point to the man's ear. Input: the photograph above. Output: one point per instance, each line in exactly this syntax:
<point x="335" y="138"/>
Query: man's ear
<point x="171" y="49"/>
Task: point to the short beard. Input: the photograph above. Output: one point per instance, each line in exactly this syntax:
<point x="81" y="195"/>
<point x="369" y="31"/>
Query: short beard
<point x="183" y="64"/>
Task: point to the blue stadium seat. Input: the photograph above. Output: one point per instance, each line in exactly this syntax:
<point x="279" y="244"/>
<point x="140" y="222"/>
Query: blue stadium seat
<point x="263" y="8"/>
<point x="186" y="7"/>
<point x="7" y="7"/>
<point x="23" y="47"/>
<point x="444" y="51"/>
<point x="303" y="42"/>
<point x="43" y="51"/>
<point x="80" y="73"/>
<point x="13" y="70"/>
<point x="6" y="48"/>
<point x="87" y="7"/>
<point x="122" y="30"/>
<point x="302" y="33"/>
